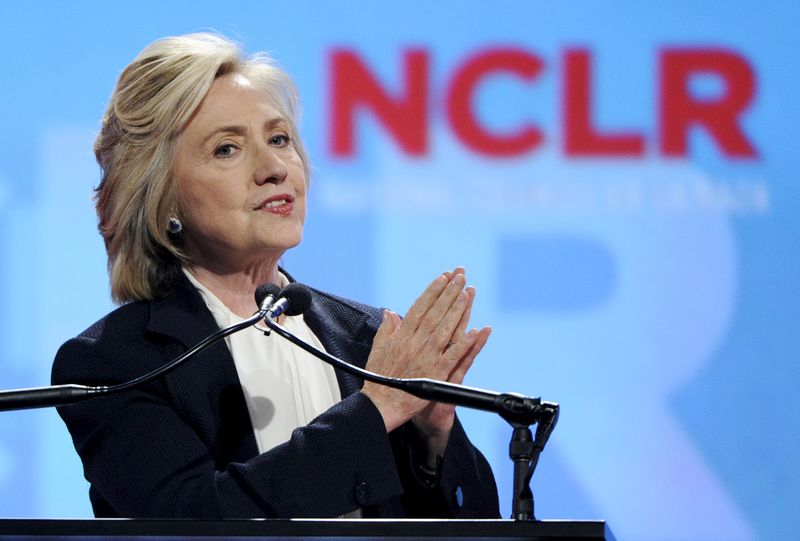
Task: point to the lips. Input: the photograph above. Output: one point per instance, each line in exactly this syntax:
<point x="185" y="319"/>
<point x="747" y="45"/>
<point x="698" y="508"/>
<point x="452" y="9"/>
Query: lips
<point x="281" y="204"/>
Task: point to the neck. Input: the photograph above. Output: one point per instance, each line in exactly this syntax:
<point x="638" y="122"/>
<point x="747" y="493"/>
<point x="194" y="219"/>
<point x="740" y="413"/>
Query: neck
<point x="236" y="289"/>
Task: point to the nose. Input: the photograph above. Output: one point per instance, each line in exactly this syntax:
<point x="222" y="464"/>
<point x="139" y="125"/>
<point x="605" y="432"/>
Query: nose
<point x="269" y="167"/>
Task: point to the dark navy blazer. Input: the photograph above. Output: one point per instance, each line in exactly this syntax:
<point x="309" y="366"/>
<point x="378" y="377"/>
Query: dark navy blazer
<point x="183" y="445"/>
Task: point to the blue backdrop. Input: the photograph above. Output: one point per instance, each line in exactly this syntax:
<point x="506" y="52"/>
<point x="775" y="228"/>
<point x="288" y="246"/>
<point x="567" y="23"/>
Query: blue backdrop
<point x="617" y="177"/>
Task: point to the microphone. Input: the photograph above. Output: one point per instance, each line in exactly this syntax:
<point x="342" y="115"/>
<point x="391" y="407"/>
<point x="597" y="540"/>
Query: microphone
<point x="294" y="300"/>
<point x="265" y="296"/>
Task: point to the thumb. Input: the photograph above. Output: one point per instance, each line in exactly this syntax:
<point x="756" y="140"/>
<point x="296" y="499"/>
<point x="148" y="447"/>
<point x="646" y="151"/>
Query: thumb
<point x="385" y="330"/>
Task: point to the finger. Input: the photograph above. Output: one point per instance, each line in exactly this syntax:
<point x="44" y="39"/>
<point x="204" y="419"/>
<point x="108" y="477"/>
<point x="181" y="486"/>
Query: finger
<point x="430" y="323"/>
<point x="457" y="270"/>
<point x="462" y="325"/>
<point x="457" y="350"/>
<point x="424" y="302"/>
<point x="430" y="296"/>
<point x="381" y="339"/>
<point x="384" y="329"/>
<point x="442" y="306"/>
<point x="460" y="370"/>
<point x="396" y="321"/>
<point x="391" y="321"/>
<point x="462" y="351"/>
<point x="439" y="324"/>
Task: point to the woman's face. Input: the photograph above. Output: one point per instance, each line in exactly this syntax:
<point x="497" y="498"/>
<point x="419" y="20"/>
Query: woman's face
<point x="240" y="183"/>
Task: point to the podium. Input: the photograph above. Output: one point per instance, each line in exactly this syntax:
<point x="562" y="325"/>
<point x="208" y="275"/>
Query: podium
<point x="311" y="529"/>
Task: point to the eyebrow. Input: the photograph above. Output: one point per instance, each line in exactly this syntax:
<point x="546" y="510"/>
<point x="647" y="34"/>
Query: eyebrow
<point x="237" y="129"/>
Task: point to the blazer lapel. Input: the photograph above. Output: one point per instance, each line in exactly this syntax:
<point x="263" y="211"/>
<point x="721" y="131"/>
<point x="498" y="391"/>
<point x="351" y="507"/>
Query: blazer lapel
<point x="344" y="332"/>
<point x="206" y="388"/>
<point x="182" y="315"/>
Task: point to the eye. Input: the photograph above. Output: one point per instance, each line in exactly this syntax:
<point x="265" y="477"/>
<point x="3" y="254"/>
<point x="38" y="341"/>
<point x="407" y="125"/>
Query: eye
<point x="280" y="140"/>
<point x="226" y="151"/>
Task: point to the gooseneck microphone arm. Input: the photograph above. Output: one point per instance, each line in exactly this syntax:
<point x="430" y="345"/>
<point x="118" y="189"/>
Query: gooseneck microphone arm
<point x="60" y="395"/>
<point x="512" y="407"/>
<point x="518" y="410"/>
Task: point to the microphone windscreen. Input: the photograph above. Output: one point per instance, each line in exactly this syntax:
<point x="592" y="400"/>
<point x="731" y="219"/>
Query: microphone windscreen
<point x="265" y="290"/>
<point x="299" y="297"/>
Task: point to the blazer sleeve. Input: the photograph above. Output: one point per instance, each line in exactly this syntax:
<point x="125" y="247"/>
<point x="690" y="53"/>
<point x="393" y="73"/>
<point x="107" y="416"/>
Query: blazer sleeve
<point x="145" y="460"/>
<point x="464" y="486"/>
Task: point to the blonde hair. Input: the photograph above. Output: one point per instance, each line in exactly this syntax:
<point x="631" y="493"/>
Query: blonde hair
<point x="153" y="101"/>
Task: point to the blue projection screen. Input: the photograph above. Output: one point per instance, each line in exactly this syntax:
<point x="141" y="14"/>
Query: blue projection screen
<point x="618" y="178"/>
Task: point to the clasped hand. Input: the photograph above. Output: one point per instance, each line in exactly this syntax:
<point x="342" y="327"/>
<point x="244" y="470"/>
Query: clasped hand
<point x="430" y="342"/>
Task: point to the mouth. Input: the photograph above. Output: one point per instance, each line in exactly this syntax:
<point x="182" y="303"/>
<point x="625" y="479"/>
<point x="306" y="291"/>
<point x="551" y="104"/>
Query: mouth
<point x="282" y="204"/>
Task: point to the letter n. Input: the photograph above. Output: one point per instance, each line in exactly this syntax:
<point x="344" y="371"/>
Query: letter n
<point x="403" y="115"/>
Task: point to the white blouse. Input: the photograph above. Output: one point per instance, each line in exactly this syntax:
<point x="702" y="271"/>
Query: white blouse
<point x="284" y="386"/>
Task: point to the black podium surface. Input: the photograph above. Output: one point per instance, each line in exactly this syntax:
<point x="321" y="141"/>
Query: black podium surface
<point x="317" y="529"/>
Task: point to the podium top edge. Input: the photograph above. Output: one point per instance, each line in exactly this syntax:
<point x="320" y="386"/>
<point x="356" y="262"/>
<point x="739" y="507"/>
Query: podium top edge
<point x="312" y="528"/>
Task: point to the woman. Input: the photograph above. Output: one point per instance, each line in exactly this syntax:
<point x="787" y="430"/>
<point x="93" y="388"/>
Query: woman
<point x="203" y="190"/>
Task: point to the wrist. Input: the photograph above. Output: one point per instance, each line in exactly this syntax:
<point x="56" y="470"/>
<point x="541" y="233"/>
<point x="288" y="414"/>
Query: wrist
<point x="383" y="404"/>
<point x="434" y="441"/>
<point x="424" y="460"/>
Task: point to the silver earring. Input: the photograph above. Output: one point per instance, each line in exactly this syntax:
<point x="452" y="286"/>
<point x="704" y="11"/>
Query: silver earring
<point x="175" y="226"/>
